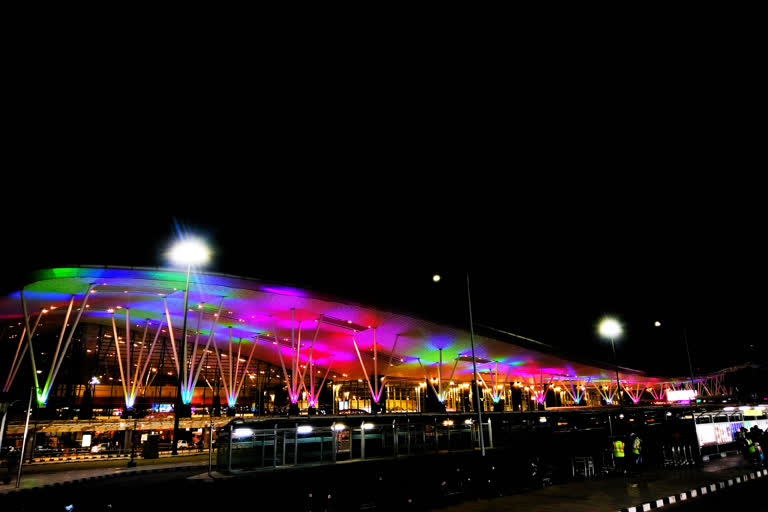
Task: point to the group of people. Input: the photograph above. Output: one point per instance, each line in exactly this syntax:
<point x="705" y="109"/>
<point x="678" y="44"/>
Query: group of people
<point x="627" y="456"/>
<point x="750" y="442"/>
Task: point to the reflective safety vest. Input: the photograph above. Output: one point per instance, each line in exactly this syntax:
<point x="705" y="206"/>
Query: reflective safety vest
<point x="636" y="446"/>
<point x="751" y="446"/>
<point x="618" y="448"/>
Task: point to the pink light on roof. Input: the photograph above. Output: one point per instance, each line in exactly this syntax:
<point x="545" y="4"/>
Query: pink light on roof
<point x="284" y="290"/>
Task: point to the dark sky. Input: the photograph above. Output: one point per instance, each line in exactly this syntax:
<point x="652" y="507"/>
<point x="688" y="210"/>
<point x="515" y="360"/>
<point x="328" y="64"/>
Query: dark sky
<point x="570" y="186"/>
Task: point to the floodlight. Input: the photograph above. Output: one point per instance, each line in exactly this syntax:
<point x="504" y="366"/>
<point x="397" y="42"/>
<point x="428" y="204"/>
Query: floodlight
<point x="610" y="328"/>
<point x="189" y="252"/>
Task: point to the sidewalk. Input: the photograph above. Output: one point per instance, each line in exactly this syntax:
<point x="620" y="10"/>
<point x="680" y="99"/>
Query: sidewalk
<point x="615" y="493"/>
<point x="31" y="479"/>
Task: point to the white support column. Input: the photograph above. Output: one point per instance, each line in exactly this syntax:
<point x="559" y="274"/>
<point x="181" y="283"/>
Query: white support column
<point x="127" y="377"/>
<point x="221" y="368"/>
<point x="440" y="377"/>
<point x="201" y="307"/>
<point x="365" y="372"/>
<point x="151" y="349"/>
<point x="72" y="331"/>
<point x="58" y="345"/>
<point x="312" y="347"/>
<point x="208" y="343"/>
<point x="282" y="361"/>
<point x="427" y="376"/>
<point x="375" y="368"/>
<point x="136" y="380"/>
<point x="245" y="370"/>
<point x="174" y="352"/>
<point x="119" y="358"/>
<point x="17" y="361"/>
<point x="29" y="342"/>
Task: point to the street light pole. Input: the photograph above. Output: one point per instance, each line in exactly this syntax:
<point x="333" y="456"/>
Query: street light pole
<point x="690" y="366"/>
<point x="183" y="358"/>
<point x="26" y="432"/>
<point x="474" y="370"/>
<point x="186" y="252"/>
<point x="610" y="328"/>
<point x="618" y="383"/>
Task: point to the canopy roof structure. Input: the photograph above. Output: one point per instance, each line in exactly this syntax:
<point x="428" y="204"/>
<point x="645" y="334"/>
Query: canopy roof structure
<point x="332" y="332"/>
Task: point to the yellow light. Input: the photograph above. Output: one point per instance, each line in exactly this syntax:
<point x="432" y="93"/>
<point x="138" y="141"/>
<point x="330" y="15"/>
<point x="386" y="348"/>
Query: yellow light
<point x="436" y="278"/>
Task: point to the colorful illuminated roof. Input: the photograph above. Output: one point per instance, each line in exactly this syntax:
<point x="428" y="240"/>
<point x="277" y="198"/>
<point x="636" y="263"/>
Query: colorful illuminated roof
<point x="254" y="309"/>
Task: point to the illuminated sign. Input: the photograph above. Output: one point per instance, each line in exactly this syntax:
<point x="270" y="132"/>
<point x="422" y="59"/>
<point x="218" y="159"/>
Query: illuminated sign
<point x="680" y="395"/>
<point x="86" y="440"/>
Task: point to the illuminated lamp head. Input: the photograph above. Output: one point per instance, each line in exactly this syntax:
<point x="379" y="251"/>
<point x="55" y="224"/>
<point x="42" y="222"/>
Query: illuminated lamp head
<point x="610" y="328"/>
<point x="191" y="251"/>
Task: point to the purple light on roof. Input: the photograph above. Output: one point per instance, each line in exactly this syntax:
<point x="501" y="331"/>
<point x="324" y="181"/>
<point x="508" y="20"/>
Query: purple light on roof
<point x="293" y="292"/>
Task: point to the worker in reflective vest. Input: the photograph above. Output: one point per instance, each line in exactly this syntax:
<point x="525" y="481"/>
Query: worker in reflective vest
<point x="618" y="455"/>
<point x="636" y="448"/>
<point x="618" y="448"/>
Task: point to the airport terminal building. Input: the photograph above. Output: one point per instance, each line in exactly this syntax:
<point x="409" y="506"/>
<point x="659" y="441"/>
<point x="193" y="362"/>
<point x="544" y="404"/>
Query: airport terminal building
<point x="105" y="350"/>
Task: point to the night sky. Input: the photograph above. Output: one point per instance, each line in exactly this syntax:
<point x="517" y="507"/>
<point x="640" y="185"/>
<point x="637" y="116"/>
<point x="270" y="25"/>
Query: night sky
<point x="547" y="269"/>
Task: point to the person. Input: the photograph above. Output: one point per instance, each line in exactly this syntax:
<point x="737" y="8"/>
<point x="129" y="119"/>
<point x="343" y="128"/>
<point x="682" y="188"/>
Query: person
<point x="618" y="455"/>
<point x="636" y="450"/>
<point x="746" y="445"/>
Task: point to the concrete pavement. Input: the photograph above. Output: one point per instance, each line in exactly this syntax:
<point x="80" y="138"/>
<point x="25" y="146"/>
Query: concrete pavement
<point x="613" y="494"/>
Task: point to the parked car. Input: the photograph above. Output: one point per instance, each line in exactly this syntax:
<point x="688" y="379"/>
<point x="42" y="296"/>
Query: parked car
<point x="183" y="443"/>
<point x="100" y="448"/>
<point x="347" y="412"/>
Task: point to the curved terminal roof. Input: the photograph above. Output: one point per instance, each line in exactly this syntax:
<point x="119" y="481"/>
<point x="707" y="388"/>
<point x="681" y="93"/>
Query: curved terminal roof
<point x="250" y="307"/>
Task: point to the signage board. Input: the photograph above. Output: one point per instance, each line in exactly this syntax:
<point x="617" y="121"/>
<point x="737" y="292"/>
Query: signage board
<point x="681" y="395"/>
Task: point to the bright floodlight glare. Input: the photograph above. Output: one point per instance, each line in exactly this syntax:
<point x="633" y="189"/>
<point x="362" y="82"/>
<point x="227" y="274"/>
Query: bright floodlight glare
<point x="657" y="323"/>
<point x="189" y="252"/>
<point x="436" y="277"/>
<point x="242" y="432"/>
<point x="610" y="328"/>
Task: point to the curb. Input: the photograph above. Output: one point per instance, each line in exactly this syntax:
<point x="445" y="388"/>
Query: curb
<point x="108" y="476"/>
<point x="694" y="493"/>
<point x="39" y="460"/>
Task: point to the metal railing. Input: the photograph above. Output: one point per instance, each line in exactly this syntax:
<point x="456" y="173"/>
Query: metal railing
<point x="243" y="448"/>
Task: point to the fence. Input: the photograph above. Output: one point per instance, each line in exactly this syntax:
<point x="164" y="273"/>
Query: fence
<point x="242" y="447"/>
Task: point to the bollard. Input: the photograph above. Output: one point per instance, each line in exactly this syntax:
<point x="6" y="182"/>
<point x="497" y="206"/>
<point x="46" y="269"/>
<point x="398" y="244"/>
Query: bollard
<point x="229" y="455"/>
<point x="362" y="440"/>
<point x="394" y="437"/>
<point x="334" y="445"/>
<point x="490" y="434"/>
<point x="296" y="445"/>
<point x="274" y="450"/>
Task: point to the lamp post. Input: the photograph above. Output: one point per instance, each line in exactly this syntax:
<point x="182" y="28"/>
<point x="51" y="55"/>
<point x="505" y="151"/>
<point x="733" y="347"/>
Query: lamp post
<point x="186" y="252"/>
<point x="436" y="278"/>
<point x="474" y="371"/>
<point x="610" y="328"/>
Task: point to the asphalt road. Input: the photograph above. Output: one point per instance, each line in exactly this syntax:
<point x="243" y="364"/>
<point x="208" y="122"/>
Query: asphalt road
<point x="153" y="491"/>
